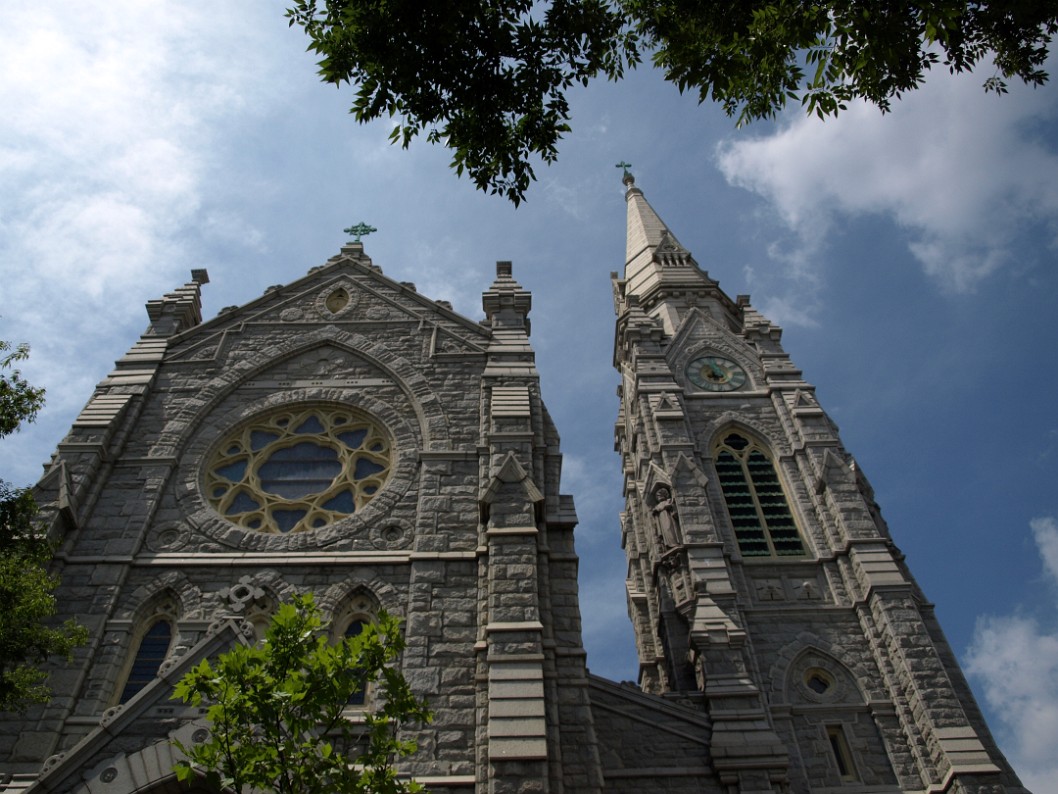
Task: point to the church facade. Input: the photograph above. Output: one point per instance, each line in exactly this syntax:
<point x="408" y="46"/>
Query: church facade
<point x="344" y="435"/>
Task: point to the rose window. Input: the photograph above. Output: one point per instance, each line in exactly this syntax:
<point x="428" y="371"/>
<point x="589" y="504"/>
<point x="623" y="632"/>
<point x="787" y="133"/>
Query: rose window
<point x="297" y="470"/>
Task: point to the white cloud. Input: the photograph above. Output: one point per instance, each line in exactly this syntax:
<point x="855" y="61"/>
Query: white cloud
<point x="1045" y="531"/>
<point x="958" y="170"/>
<point x="446" y="268"/>
<point x="95" y="161"/>
<point x="118" y="117"/>
<point x="1015" y="659"/>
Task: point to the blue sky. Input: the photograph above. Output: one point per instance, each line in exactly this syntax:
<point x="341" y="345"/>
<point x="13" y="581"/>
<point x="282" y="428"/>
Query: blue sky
<point x="909" y="257"/>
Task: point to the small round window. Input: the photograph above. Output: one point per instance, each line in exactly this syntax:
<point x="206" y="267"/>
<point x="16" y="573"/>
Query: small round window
<point x="297" y="470"/>
<point x="819" y="681"/>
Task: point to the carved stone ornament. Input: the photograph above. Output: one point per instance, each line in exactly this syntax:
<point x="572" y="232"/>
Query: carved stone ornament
<point x="109" y="715"/>
<point x="666" y="517"/>
<point x="672" y="560"/>
<point x="818" y="679"/>
<point x="770" y="590"/>
<point x="391" y="536"/>
<point x="52" y="762"/>
<point x="167" y="538"/>
<point x="337" y="300"/>
<point x="242" y="594"/>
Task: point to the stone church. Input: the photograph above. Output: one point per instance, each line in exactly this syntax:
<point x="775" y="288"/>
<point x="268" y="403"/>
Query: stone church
<point x="345" y="435"/>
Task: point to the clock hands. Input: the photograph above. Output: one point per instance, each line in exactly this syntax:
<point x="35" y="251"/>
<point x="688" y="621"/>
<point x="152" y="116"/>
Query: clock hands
<point x="719" y="373"/>
<point x="715" y="373"/>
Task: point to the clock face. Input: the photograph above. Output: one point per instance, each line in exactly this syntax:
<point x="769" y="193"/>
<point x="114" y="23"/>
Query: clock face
<point x="716" y="374"/>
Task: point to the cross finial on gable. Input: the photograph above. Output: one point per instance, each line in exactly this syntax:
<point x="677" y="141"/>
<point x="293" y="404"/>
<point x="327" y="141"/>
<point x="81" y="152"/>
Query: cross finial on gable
<point x="359" y="230"/>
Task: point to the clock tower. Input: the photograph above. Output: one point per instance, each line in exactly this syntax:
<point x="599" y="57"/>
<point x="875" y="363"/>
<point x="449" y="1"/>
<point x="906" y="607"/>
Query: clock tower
<point x="763" y="584"/>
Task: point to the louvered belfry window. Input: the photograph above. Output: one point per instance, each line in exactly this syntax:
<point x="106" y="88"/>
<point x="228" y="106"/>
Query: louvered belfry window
<point x="760" y="515"/>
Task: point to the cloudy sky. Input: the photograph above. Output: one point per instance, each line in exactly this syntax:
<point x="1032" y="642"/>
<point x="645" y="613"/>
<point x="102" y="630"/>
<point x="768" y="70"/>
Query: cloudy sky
<point x="909" y="257"/>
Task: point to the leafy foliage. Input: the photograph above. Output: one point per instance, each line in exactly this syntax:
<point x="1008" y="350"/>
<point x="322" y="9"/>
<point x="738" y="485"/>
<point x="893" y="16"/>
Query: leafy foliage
<point x="277" y="710"/>
<point x="25" y="585"/>
<point x="19" y="402"/>
<point x="488" y="78"/>
<point x="753" y="57"/>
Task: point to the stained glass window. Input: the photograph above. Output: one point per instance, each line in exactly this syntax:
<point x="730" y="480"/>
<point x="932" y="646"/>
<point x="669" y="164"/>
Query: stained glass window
<point x="355" y="629"/>
<point x="760" y="515"/>
<point x="298" y="469"/>
<point x="154" y="647"/>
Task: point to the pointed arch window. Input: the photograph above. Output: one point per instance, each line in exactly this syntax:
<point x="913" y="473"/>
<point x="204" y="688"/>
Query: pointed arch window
<point x="152" y="650"/>
<point x="760" y="514"/>
<point x="355" y="629"/>
<point x="357" y="615"/>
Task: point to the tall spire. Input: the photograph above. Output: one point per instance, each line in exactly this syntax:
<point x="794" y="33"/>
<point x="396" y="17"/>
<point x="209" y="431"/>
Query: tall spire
<point x="646" y="231"/>
<point x="660" y="274"/>
<point x="655" y="261"/>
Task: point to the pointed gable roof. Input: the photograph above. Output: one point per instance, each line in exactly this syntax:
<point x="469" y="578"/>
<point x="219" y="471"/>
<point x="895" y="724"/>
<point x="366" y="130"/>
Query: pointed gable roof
<point x="109" y="748"/>
<point x="348" y="269"/>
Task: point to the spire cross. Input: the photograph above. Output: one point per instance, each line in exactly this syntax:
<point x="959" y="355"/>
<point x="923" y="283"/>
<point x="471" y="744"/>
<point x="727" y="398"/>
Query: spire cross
<point x="360" y="229"/>
<point x="625" y="166"/>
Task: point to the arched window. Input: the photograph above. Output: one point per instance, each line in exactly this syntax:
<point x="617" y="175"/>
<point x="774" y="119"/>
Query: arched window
<point x="354" y="629"/>
<point x="826" y="709"/>
<point x="358" y="610"/>
<point x="154" y="647"/>
<point x="760" y="515"/>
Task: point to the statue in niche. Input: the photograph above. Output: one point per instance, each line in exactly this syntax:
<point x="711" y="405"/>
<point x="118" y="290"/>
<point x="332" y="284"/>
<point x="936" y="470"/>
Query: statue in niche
<point x="666" y="519"/>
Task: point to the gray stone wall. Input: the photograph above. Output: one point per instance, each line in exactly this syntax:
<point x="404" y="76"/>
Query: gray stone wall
<point x="650" y="744"/>
<point x="142" y="540"/>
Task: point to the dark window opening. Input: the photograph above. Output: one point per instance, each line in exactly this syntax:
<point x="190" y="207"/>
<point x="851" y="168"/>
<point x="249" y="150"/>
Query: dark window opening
<point x="358" y="698"/>
<point x="842" y="754"/>
<point x="154" y="647"/>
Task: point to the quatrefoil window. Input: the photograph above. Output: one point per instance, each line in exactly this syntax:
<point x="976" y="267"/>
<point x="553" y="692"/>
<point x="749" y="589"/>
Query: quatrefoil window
<point x="298" y="469"/>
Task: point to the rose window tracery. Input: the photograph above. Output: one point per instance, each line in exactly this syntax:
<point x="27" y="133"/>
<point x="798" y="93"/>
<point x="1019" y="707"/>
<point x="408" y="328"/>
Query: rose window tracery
<point x="298" y="469"/>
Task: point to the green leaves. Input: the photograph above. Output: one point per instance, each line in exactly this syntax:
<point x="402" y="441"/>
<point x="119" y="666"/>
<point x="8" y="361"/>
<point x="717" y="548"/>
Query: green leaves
<point x="750" y="57"/>
<point x="26" y="637"/>
<point x="277" y="711"/>
<point x="19" y="402"/>
<point x="488" y="78"/>
<point x="485" y="77"/>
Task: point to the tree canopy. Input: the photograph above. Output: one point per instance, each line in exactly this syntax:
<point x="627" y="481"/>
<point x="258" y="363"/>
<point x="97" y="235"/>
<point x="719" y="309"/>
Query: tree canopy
<point x="19" y="401"/>
<point x="278" y="711"/>
<point x="488" y="78"/>
<point x="26" y="638"/>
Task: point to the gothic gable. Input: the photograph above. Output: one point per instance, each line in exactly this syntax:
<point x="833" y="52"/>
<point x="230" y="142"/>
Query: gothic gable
<point x="700" y="334"/>
<point x="347" y="291"/>
<point x="131" y="748"/>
